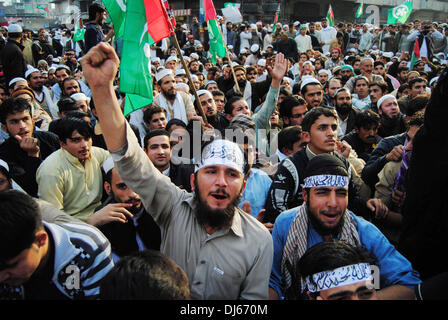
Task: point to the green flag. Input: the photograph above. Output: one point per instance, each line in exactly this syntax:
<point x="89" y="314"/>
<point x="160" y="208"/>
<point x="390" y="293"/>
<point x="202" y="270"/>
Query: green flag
<point x="360" y="10"/>
<point x="135" y="69"/>
<point x="400" y="13"/>
<point x="217" y="47"/>
<point x="117" y="13"/>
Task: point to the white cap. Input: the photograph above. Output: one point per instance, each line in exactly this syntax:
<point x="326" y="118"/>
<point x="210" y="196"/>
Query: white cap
<point x="4" y="165"/>
<point x="308" y="80"/>
<point x="230" y="47"/>
<point x="261" y="62"/>
<point x="108" y="165"/>
<point x="14" y="28"/>
<point x="156" y="59"/>
<point x="79" y="96"/>
<point x="253" y="26"/>
<point x="182" y="85"/>
<point x="222" y="152"/>
<point x="163" y="73"/>
<point x="324" y="71"/>
<point x="30" y="71"/>
<point x="17" y="79"/>
<point x="388" y="54"/>
<point x="171" y="58"/>
<point x="384" y="98"/>
<point x="202" y="91"/>
<point x="296" y="23"/>
<point x="254" y="48"/>
<point x="194" y="56"/>
<point x="180" y="72"/>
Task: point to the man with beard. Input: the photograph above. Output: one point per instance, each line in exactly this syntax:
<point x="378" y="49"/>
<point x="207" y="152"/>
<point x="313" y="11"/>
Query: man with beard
<point x="392" y="120"/>
<point x="253" y="92"/>
<point x="364" y="138"/>
<point x="70" y="178"/>
<point x="122" y="218"/>
<point x="324" y="217"/>
<point x="346" y="113"/>
<point x="226" y="253"/>
<point x="319" y="127"/>
<point x="177" y="104"/>
<point x="63" y="72"/>
<point x="94" y="32"/>
<point x="41" y="93"/>
<point x="312" y="91"/>
<point x="335" y="59"/>
<point x="215" y="119"/>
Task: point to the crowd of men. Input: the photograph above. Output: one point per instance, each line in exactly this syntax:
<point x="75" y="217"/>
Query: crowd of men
<point x="314" y="153"/>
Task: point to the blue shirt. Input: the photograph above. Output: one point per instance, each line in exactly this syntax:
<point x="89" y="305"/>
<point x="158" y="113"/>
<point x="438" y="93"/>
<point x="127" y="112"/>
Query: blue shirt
<point x="256" y="191"/>
<point x="394" y="267"/>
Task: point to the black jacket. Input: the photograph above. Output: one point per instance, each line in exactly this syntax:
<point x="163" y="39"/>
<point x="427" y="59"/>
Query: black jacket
<point x="363" y="150"/>
<point x="259" y="90"/>
<point x="123" y="236"/>
<point x="22" y="167"/>
<point x="94" y="35"/>
<point x="41" y="49"/>
<point x="425" y="211"/>
<point x="14" y="64"/>
<point x="390" y="127"/>
<point x="351" y="120"/>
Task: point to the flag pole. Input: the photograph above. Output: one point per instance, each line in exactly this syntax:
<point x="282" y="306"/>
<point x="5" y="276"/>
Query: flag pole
<point x="184" y="65"/>
<point x="230" y="61"/>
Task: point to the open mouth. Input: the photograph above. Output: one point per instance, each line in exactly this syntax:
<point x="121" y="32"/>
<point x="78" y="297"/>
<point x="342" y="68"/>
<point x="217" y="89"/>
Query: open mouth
<point x="219" y="196"/>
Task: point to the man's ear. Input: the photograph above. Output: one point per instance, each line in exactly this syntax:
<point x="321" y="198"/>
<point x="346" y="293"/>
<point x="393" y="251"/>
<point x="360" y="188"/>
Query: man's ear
<point x="107" y="187"/>
<point x="40" y="238"/>
<point x="285" y="120"/>
<point x="306" y="136"/>
<point x="228" y="117"/>
<point x="304" y="195"/>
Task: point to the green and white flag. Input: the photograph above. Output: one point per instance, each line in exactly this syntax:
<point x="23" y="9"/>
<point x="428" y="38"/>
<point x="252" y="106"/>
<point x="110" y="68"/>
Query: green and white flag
<point x="400" y="13"/>
<point x="79" y="30"/>
<point x="135" y="68"/>
<point x="360" y="10"/>
<point x="117" y="13"/>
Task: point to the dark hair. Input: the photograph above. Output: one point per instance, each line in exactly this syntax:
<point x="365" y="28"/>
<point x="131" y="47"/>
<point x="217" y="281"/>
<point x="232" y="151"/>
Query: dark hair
<point x="378" y="63"/>
<point x="402" y="68"/>
<point x="403" y="87"/>
<point x="284" y="91"/>
<point x="381" y="84"/>
<point x="175" y="122"/>
<point x="296" y="88"/>
<point x="366" y="119"/>
<point x="67" y="104"/>
<point x="20" y="219"/>
<point x="288" y="103"/>
<point x="154" y="133"/>
<point x="417" y="103"/>
<point x="12" y="106"/>
<point x="148" y="113"/>
<point x="288" y="136"/>
<point x="145" y="275"/>
<point x="69" y="79"/>
<point x="312" y="115"/>
<point x="77" y="114"/>
<point x="95" y="8"/>
<point x="417" y="119"/>
<point x="228" y="107"/>
<point x="415" y="80"/>
<point x="65" y="128"/>
<point x="218" y="93"/>
<point x="330" y="255"/>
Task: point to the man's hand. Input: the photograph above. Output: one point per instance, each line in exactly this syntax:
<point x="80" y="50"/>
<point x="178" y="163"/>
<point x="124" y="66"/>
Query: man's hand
<point x="377" y="206"/>
<point x="395" y="154"/>
<point x="278" y="72"/>
<point x="397" y="197"/>
<point x="343" y="148"/>
<point x="29" y="145"/>
<point x="246" y="208"/>
<point x="100" y="65"/>
<point x="110" y="213"/>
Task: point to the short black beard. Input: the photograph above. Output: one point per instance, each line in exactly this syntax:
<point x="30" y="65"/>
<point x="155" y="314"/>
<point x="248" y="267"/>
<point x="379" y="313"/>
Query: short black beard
<point x="343" y="109"/>
<point x="242" y="83"/>
<point x="321" y="228"/>
<point x="134" y="209"/>
<point x="215" y="218"/>
<point x="169" y="96"/>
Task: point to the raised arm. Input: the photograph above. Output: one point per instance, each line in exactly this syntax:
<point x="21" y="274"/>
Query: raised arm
<point x="100" y="65"/>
